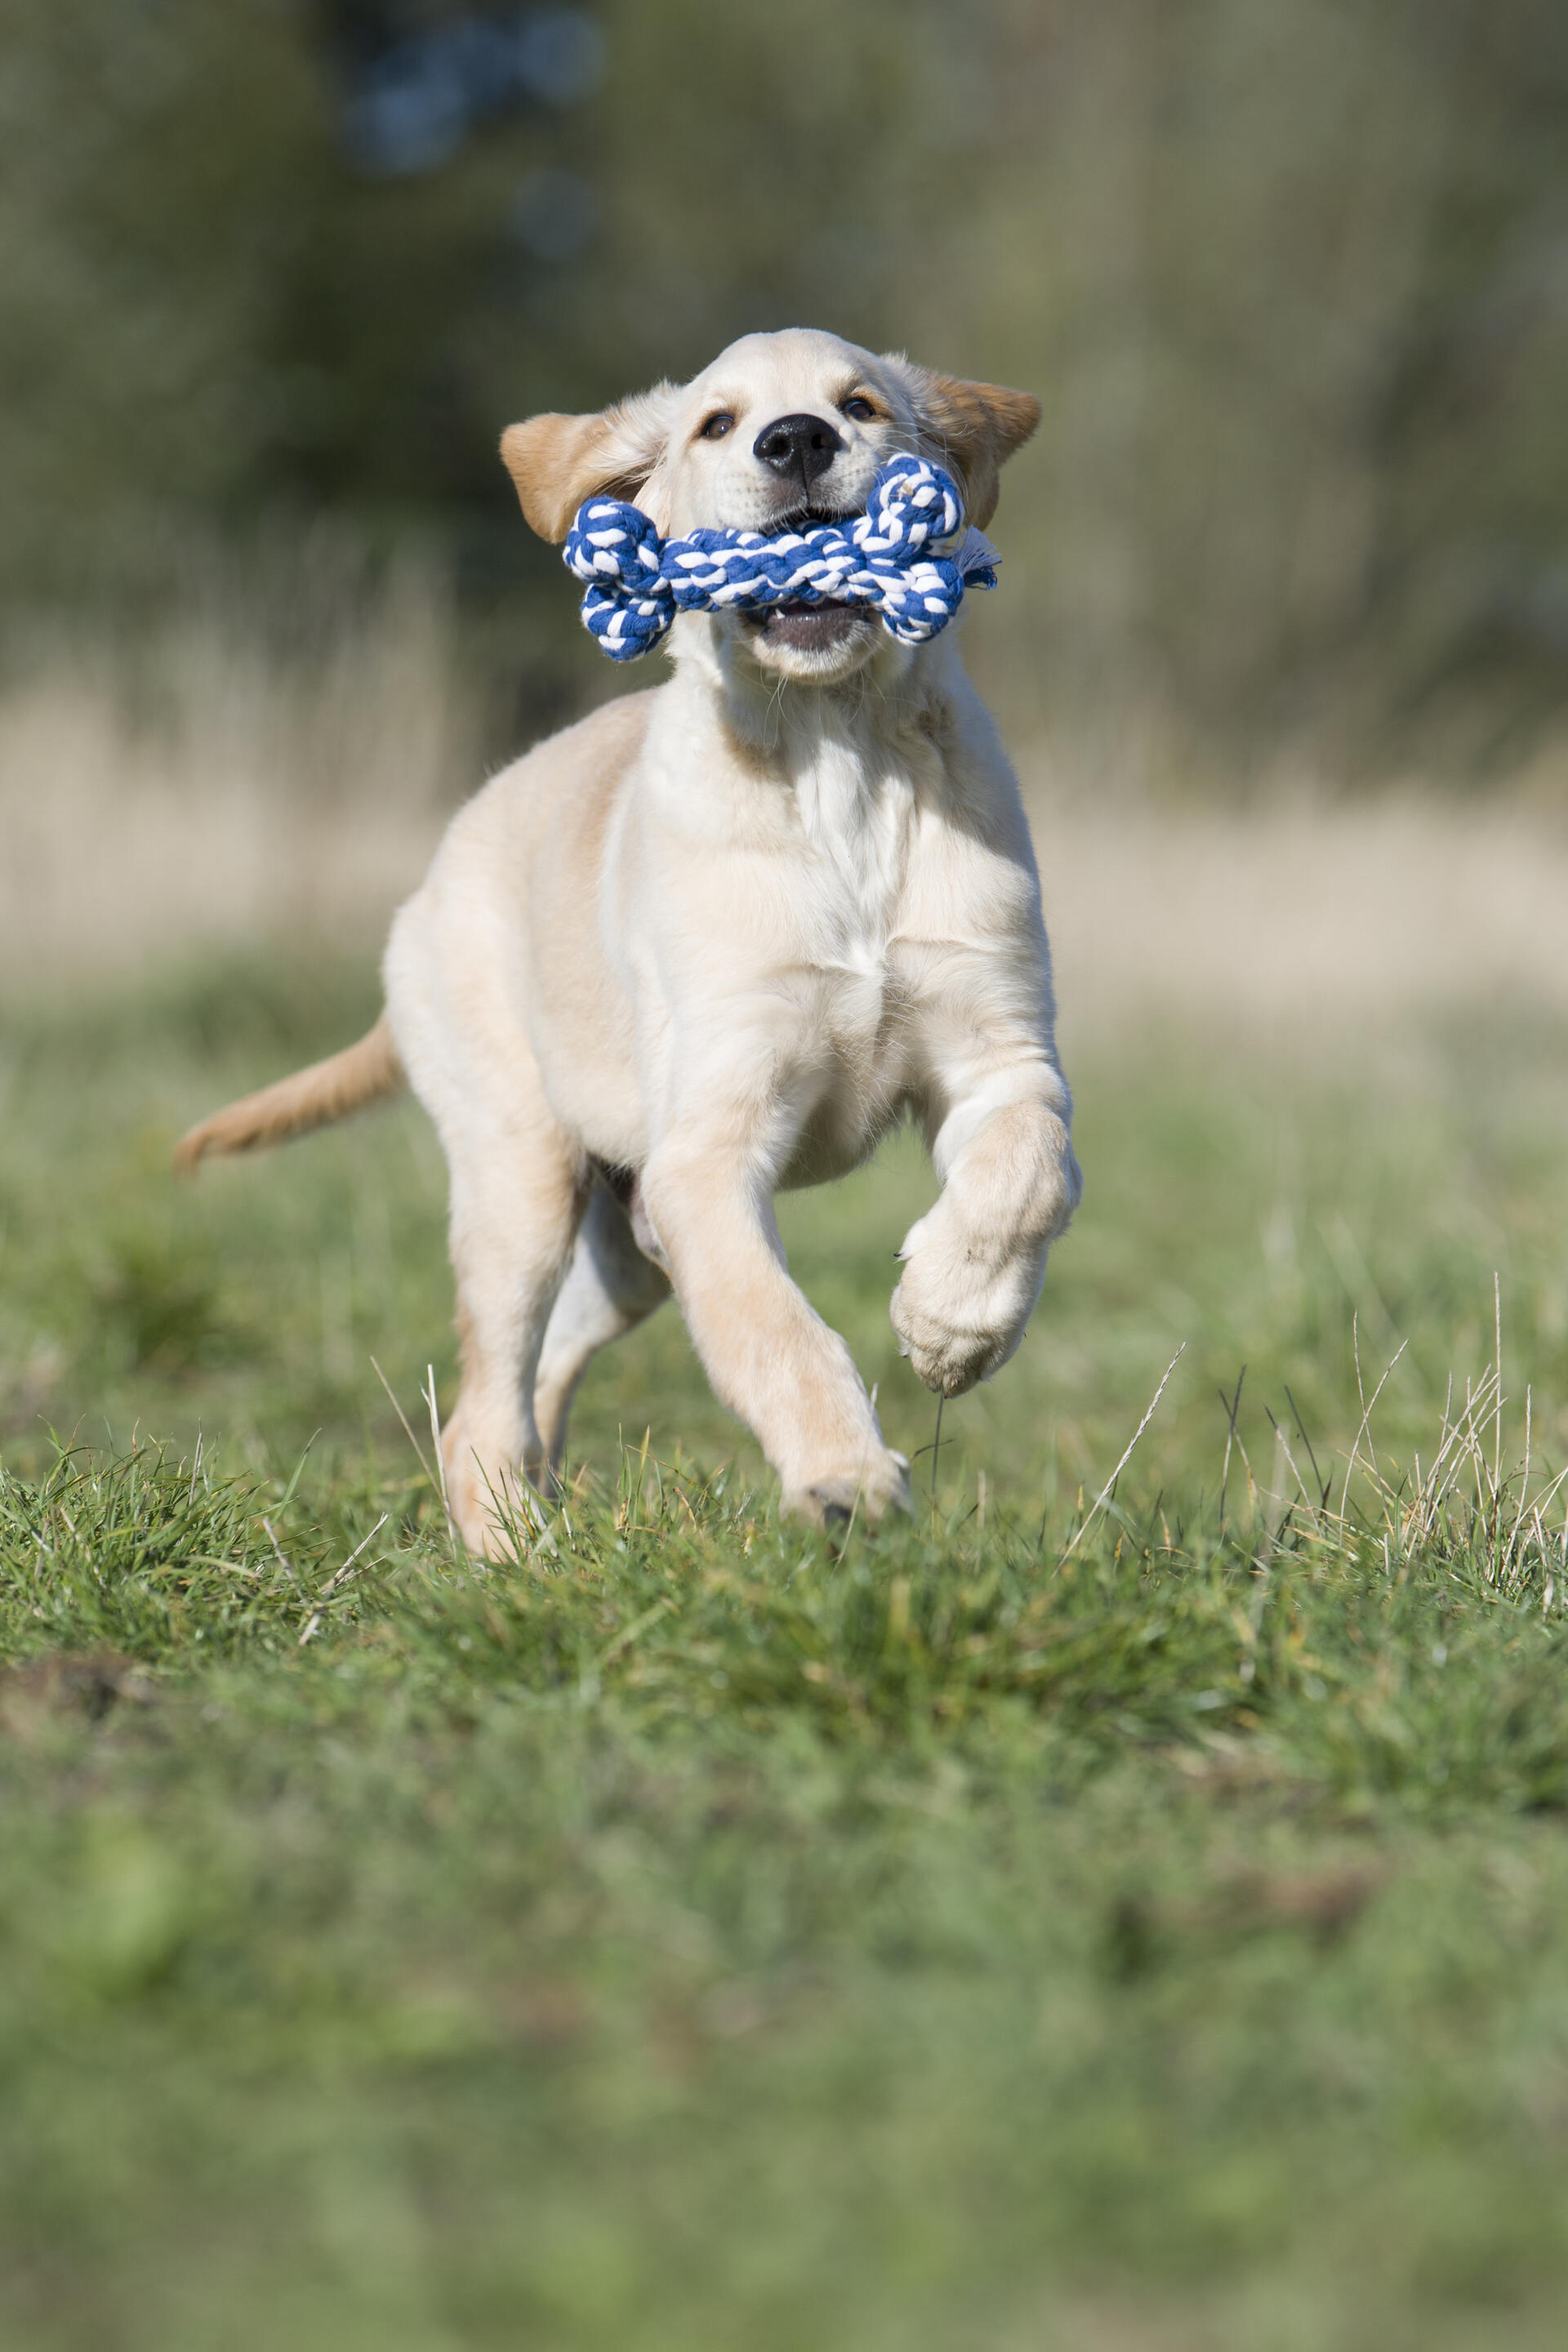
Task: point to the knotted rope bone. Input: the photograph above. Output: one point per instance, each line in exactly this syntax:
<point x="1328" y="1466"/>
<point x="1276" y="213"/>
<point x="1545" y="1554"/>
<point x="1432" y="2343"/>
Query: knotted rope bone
<point x="890" y="559"/>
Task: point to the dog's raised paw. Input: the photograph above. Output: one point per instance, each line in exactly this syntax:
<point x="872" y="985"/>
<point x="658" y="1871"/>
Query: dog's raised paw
<point x="955" y="1334"/>
<point x="948" y="1358"/>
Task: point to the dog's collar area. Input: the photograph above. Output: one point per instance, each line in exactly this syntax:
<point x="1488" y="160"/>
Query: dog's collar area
<point x="902" y="558"/>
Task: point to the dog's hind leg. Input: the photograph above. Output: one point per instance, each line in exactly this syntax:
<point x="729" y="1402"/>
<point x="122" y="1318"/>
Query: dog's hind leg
<point x="610" y="1286"/>
<point x="512" y="1222"/>
<point x="519" y="1187"/>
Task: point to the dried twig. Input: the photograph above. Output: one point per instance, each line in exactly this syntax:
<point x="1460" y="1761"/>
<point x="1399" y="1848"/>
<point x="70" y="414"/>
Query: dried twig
<point x="403" y="1417"/>
<point x="1105" y="1493"/>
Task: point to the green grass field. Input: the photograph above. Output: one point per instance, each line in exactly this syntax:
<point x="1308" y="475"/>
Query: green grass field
<point x="1142" y="1928"/>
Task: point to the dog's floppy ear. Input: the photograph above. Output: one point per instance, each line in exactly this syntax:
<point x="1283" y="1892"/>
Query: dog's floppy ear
<point x="557" y="461"/>
<point x="970" y="428"/>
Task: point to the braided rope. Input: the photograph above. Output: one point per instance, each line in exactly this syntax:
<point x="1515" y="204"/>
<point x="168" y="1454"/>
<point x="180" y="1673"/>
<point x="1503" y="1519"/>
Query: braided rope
<point x="887" y="558"/>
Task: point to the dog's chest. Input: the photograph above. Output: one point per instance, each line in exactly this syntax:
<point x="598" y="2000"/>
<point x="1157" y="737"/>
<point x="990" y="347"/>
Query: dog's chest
<point x="857" y="819"/>
<point x="860" y="817"/>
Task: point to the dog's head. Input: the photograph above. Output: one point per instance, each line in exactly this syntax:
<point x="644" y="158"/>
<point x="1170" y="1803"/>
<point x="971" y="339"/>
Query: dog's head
<point x="783" y="430"/>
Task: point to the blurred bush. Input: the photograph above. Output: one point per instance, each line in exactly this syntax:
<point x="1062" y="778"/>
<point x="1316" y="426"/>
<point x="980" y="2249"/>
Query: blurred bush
<point x="1291" y="277"/>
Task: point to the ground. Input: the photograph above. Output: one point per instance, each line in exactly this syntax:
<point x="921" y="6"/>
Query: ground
<point x="1128" y="1920"/>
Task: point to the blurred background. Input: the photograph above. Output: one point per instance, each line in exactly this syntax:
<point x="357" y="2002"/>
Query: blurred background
<point x="1290" y="276"/>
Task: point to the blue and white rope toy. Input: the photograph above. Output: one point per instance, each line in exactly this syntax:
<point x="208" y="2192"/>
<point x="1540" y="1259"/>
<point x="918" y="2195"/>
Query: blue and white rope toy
<point x="889" y="558"/>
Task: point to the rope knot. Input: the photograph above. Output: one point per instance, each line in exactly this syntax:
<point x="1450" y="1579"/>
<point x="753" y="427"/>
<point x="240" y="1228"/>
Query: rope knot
<point x="912" y="505"/>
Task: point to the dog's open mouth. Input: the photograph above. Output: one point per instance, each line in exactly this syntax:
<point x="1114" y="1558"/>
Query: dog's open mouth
<point x="809" y="628"/>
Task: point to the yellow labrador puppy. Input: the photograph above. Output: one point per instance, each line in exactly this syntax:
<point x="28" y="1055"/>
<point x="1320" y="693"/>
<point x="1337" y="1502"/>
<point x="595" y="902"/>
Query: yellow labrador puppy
<point x="718" y="939"/>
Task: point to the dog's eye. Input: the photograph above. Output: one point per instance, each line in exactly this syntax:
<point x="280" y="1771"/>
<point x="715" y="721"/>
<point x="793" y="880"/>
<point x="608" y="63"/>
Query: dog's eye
<point x="717" y="424"/>
<point x="857" y="406"/>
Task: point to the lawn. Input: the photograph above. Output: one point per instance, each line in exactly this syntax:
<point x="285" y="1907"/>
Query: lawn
<point x="1133" y="1920"/>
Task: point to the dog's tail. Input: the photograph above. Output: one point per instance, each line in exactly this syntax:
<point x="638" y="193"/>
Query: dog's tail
<point x="328" y="1090"/>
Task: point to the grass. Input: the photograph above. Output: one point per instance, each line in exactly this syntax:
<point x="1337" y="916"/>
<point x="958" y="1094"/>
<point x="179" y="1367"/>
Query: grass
<point x="1139" y="1926"/>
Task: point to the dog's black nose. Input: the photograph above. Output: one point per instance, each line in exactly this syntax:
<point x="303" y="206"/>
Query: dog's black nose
<point x="803" y="446"/>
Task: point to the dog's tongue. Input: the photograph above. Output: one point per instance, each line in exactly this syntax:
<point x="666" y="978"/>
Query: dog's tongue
<point x="810" y="628"/>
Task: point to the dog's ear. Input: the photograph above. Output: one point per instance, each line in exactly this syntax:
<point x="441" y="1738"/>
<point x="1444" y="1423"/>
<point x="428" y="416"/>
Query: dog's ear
<point x="971" y="428"/>
<point x="557" y="461"/>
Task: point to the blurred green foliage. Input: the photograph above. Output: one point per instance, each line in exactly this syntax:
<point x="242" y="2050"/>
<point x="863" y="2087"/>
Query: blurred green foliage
<point x="1288" y="275"/>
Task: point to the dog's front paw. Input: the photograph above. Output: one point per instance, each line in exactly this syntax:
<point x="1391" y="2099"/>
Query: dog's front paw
<point x="830" y="1501"/>
<point x="958" y="1322"/>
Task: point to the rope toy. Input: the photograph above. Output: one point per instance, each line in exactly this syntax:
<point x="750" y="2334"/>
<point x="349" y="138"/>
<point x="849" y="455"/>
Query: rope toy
<point x="889" y="558"/>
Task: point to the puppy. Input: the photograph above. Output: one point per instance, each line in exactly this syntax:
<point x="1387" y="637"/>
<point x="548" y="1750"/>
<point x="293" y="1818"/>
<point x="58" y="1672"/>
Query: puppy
<point x="717" y="940"/>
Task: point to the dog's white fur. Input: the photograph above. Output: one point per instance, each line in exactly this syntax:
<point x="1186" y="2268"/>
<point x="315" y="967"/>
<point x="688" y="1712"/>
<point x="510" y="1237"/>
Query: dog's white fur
<point x="716" y="940"/>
